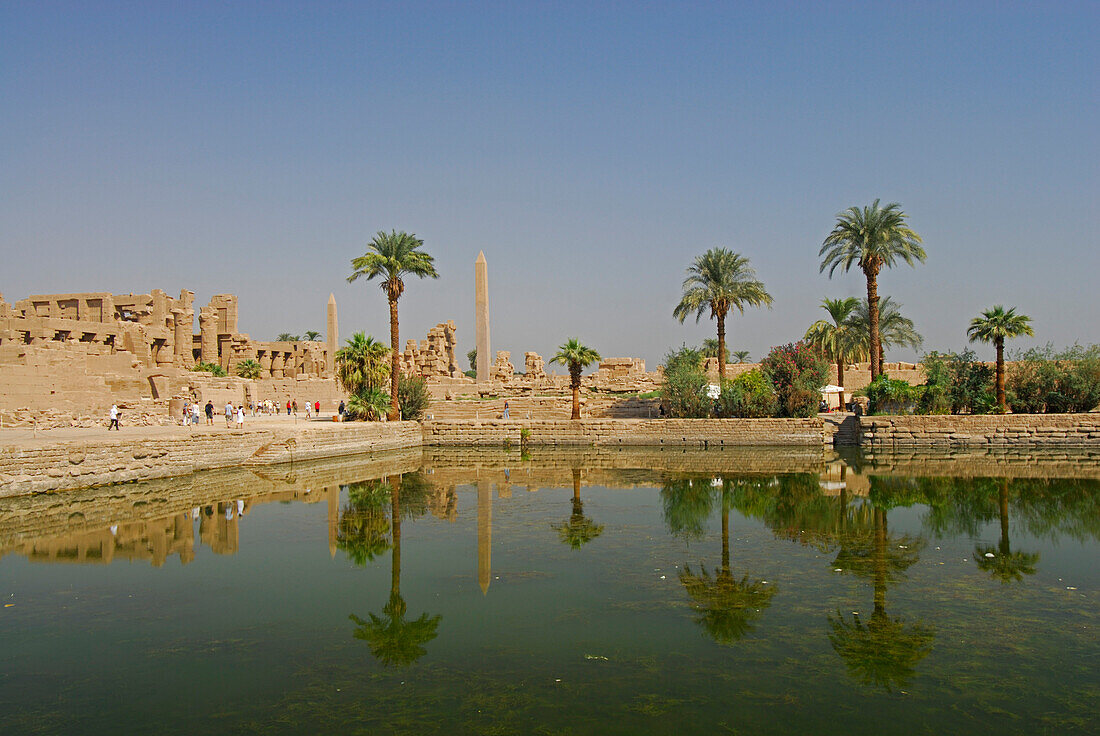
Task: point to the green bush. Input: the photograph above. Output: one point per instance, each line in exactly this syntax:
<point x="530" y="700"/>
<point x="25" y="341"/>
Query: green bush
<point x="212" y="368"/>
<point x="1041" y="380"/>
<point x="935" y="395"/>
<point x="797" y="371"/>
<point x="249" y="368"/>
<point x="749" y="395"/>
<point x="367" y="405"/>
<point x="891" y="395"/>
<point x="412" y="397"/>
<point x="685" y="388"/>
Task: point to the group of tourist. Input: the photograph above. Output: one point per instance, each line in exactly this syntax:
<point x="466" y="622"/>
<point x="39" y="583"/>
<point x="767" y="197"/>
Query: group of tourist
<point x="235" y="414"/>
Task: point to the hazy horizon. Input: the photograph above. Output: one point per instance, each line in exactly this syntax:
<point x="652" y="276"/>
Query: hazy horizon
<point x="591" y="151"/>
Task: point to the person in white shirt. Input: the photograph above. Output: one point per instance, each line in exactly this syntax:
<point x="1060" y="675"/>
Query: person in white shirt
<point x="240" y="417"/>
<point x="229" y="413"/>
<point x="114" y="419"/>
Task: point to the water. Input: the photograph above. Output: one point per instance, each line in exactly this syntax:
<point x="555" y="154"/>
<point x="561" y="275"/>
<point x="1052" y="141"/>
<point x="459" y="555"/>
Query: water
<point x="561" y="593"/>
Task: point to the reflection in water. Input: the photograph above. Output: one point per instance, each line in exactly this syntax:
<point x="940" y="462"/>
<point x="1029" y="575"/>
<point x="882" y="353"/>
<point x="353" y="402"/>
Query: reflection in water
<point x="362" y="532"/>
<point x="394" y="640"/>
<point x="1004" y="564"/>
<point x="579" y="530"/>
<point x="727" y="607"/>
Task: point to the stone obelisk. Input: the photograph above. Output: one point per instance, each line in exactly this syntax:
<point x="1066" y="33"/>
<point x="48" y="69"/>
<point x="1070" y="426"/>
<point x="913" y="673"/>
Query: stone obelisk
<point x="332" y="334"/>
<point x="481" y="299"/>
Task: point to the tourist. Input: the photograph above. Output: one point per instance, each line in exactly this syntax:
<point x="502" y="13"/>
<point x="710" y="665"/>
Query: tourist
<point x="288" y="407"/>
<point x="505" y="410"/>
<point x="240" y="417"/>
<point x="186" y="414"/>
<point x="317" y="408"/>
<point x="210" y="412"/>
<point x="114" y="419"/>
<point x="309" y="410"/>
<point x="340" y="411"/>
<point x="229" y="414"/>
<point x="195" y="414"/>
<point x="295" y="405"/>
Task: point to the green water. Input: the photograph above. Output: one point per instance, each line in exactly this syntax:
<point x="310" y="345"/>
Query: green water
<point x="560" y="594"/>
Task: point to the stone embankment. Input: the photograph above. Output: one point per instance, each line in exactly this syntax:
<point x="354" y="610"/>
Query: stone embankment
<point x="1010" y="430"/>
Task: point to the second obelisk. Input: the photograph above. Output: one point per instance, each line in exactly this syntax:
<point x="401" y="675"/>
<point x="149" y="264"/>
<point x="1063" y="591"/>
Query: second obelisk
<point x="481" y="298"/>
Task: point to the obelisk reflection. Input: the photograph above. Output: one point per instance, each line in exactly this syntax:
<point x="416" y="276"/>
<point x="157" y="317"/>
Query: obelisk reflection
<point x="484" y="533"/>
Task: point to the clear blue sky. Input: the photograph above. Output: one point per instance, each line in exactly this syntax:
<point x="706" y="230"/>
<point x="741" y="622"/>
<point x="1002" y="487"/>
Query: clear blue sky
<point x="591" y="149"/>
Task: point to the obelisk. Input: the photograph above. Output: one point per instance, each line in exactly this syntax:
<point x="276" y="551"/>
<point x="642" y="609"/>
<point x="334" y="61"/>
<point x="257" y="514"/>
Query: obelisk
<point x="481" y="299"/>
<point x="332" y="335"/>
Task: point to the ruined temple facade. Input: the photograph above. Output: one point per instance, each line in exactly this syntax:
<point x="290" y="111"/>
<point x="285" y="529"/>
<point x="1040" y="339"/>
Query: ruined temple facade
<point x="157" y="330"/>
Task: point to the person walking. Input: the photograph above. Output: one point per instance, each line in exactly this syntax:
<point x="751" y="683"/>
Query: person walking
<point x="317" y="408"/>
<point x="340" y="411"/>
<point x="229" y="414"/>
<point x="114" y="419"/>
<point x="186" y="416"/>
<point x="288" y="407"/>
<point x="240" y="417"/>
<point x="309" y="409"/>
<point x="195" y="414"/>
<point x="210" y="412"/>
<point x="505" y="410"/>
<point x="295" y="404"/>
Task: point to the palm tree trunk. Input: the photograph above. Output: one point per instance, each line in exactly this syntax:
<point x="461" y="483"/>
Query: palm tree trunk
<point x="725" y="536"/>
<point x="575" y="382"/>
<point x="1004" y="515"/>
<point x="880" y="561"/>
<point x="1001" y="375"/>
<point x="576" y="485"/>
<point x="872" y="314"/>
<point x="395" y="522"/>
<point x="881" y="356"/>
<point x="395" y="362"/>
<point x="721" y="348"/>
<point x="840" y="381"/>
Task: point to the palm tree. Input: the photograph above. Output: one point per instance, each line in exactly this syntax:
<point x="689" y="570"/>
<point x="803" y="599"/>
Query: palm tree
<point x="839" y="339"/>
<point x="741" y="355"/>
<point x="1002" y="563"/>
<point x="894" y="329"/>
<point x="576" y="358"/>
<point x="361" y="364"/>
<point x="391" y="256"/>
<point x="312" y="335"/>
<point x="249" y="368"/>
<point x="709" y="349"/>
<point x="720" y="280"/>
<point x="872" y="237"/>
<point x="579" y="530"/>
<point x="287" y="337"/>
<point x="995" y="326"/>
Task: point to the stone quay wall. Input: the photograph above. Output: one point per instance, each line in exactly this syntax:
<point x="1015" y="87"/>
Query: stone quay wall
<point x="634" y="432"/>
<point x="80" y="464"/>
<point x="990" y="430"/>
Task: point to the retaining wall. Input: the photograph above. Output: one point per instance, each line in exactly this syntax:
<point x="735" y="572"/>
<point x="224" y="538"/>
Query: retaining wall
<point x="1009" y="430"/>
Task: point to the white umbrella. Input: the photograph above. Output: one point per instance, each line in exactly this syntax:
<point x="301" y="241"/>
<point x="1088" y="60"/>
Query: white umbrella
<point x="831" y="389"/>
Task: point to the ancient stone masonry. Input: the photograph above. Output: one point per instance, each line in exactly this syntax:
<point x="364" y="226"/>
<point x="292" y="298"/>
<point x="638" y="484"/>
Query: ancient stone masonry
<point x="533" y="366"/>
<point x="433" y="357"/>
<point x="503" y="370"/>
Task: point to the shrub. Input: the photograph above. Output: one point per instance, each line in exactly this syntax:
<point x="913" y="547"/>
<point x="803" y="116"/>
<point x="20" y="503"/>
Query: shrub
<point x="891" y="395"/>
<point x="367" y="405"/>
<point x="412" y="397"/>
<point x="934" y="396"/>
<point x="685" y="387"/>
<point x="212" y="368"/>
<point x="1042" y="380"/>
<point x="249" y="368"/>
<point x="797" y="372"/>
<point x="749" y="395"/>
<point x="971" y="384"/>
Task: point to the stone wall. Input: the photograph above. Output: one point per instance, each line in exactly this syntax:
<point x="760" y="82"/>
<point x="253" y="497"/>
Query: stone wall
<point x="79" y="464"/>
<point x="640" y="432"/>
<point x="1010" y="430"/>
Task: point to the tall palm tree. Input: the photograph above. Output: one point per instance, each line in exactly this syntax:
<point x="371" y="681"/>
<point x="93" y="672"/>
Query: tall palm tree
<point x="361" y="364"/>
<point x="871" y="237"/>
<point x="720" y="280"/>
<point x="741" y="355"/>
<point x="391" y="256"/>
<point x="579" y="530"/>
<point x="894" y="328"/>
<point x="997" y="325"/>
<point x="839" y="339"/>
<point x="576" y="358"/>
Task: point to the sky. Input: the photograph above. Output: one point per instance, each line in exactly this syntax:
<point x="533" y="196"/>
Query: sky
<point x="592" y="150"/>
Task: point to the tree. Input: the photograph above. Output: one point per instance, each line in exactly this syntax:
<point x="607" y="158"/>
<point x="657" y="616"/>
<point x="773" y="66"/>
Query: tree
<point x="472" y="357"/>
<point x="287" y="337"/>
<point x="579" y="530"/>
<point x="576" y="358"/>
<point x="249" y="368"/>
<point x="361" y="364"/>
<point x="312" y="335"/>
<point x="840" y="339"/>
<point x="741" y="355"/>
<point x="390" y="257"/>
<point x="720" y="280"/>
<point x="995" y="326"/>
<point x="872" y="238"/>
<point x="710" y="350"/>
<point x="894" y="329"/>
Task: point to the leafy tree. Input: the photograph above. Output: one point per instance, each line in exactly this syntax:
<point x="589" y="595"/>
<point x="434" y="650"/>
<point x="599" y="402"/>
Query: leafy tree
<point x="996" y="325"/>
<point x="413" y="397"/>
<point x="576" y="357"/>
<point x="840" y="339"/>
<point x="362" y="364"/>
<point x="390" y="257"/>
<point x="797" y="371"/>
<point x="211" y="368"/>
<point x="955" y="383"/>
<point x="579" y="530"/>
<point x="741" y="355"/>
<point x="710" y="350"/>
<point x="1041" y="380"/>
<point x="750" y="394"/>
<point x="871" y="237"/>
<point x="287" y="337"/>
<point x="684" y="388"/>
<point x="895" y="329"/>
<point x="718" y="281"/>
<point x="249" y="368"/>
<point x="472" y="357"/>
<point x="312" y="335"/>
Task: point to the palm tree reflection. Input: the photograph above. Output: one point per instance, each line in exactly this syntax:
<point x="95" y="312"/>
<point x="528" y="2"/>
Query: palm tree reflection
<point x="394" y="640"/>
<point x="579" y="530"/>
<point x="1001" y="562"/>
<point x="726" y="607"/>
